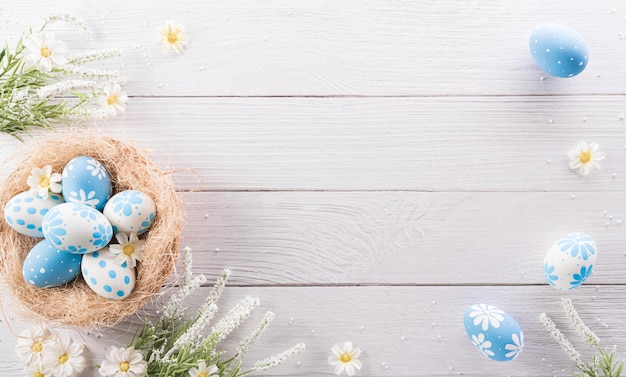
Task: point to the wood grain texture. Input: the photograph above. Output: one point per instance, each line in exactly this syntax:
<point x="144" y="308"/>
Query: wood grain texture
<point x="377" y="318"/>
<point x="365" y="144"/>
<point x="277" y="47"/>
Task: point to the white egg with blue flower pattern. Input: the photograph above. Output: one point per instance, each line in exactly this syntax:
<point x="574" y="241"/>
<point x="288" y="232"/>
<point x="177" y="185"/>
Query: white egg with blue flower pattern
<point x="76" y="228"/>
<point x="45" y="266"/>
<point x="107" y="278"/>
<point x="493" y="332"/>
<point x="130" y="211"/>
<point x="85" y="180"/>
<point x="25" y="212"/>
<point x="569" y="262"/>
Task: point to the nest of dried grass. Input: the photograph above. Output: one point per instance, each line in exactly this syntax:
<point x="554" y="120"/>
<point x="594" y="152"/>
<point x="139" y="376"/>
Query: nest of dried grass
<point x="75" y="303"/>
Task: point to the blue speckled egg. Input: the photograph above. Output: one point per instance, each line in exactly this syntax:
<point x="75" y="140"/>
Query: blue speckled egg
<point x="569" y="262"/>
<point x="130" y="211"/>
<point x="45" y="266"/>
<point x="493" y="332"/>
<point x="76" y="228"/>
<point x="86" y="181"/>
<point x="107" y="278"/>
<point x="25" y="212"/>
<point x="558" y="50"/>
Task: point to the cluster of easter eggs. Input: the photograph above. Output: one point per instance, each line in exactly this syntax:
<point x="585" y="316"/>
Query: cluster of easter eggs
<point x="77" y="226"/>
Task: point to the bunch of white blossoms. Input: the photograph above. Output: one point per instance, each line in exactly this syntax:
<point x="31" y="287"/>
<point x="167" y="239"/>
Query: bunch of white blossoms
<point x="45" y="353"/>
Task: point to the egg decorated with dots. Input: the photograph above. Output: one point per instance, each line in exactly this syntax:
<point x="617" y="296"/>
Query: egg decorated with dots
<point x="107" y="278"/>
<point x="558" y="50"/>
<point x="130" y="211"/>
<point x="46" y="267"/>
<point x="25" y="212"/>
<point x="76" y="228"/>
<point x="493" y="332"/>
<point x="85" y="180"/>
<point x="569" y="262"/>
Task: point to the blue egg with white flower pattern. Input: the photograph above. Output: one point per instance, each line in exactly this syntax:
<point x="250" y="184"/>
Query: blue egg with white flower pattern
<point x="25" y="212"/>
<point x="130" y="211"/>
<point x="493" y="332"/>
<point x="77" y="228"/>
<point x="85" y="180"/>
<point x="46" y="267"/>
<point x="558" y="50"/>
<point x="569" y="262"/>
<point x="105" y="276"/>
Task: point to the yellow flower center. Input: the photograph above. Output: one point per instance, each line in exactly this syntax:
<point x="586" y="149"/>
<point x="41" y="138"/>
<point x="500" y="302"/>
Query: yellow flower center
<point x="36" y="347"/>
<point x="346" y="358"/>
<point x="128" y="249"/>
<point x="38" y="374"/>
<point x="112" y="100"/>
<point x="45" y="52"/>
<point x="203" y="374"/>
<point x="172" y="37"/>
<point x="44" y="181"/>
<point x="585" y="156"/>
<point x="124" y="366"/>
<point x="63" y="358"/>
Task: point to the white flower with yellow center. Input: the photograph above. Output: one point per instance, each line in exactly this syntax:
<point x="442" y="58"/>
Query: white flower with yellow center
<point x="64" y="357"/>
<point x="204" y="371"/>
<point x="585" y="157"/>
<point x="173" y="37"/>
<point x="37" y="369"/>
<point x="345" y="359"/>
<point x="113" y="98"/>
<point x="129" y="249"/>
<point x="31" y="344"/>
<point x="44" y="51"/>
<point x="123" y="362"/>
<point x="43" y="180"/>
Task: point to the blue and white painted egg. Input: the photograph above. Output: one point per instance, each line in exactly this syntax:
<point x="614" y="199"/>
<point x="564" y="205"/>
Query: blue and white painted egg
<point x="494" y="332"/>
<point x="558" y="50"/>
<point x="569" y="262"/>
<point x="25" y="212"/>
<point x="77" y="228"/>
<point x="85" y="180"/>
<point x="45" y="266"/>
<point x="107" y="278"/>
<point x="130" y="211"/>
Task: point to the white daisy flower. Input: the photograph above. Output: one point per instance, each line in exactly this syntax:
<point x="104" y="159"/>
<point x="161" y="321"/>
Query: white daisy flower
<point x="123" y="362"/>
<point x="204" y="371"/>
<point x="64" y="357"/>
<point x="345" y="359"/>
<point x="173" y="37"/>
<point x="585" y="157"/>
<point x="482" y="344"/>
<point x="31" y="343"/>
<point x="43" y="180"/>
<point x="44" y="51"/>
<point x="113" y="98"/>
<point x="129" y="249"/>
<point x="37" y="369"/>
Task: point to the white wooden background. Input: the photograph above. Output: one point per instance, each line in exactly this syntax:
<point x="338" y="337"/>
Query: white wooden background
<point x="369" y="169"/>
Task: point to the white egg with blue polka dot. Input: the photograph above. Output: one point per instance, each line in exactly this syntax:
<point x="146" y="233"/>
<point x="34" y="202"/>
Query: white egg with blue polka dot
<point x="25" y="212"/>
<point x="107" y="278"/>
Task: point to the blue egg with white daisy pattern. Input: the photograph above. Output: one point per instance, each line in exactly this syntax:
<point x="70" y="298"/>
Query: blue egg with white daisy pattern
<point x="558" y="50"/>
<point x="130" y="211"/>
<point x="85" y="180"/>
<point x="493" y="332"/>
<point x="45" y="266"/>
<point x="106" y="277"/>
<point x="569" y="262"/>
<point x="25" y="212"/>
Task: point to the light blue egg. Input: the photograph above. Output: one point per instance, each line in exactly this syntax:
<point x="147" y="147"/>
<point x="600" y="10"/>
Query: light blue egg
<point x="85" y="180"/>
<point x="558" y="50"/>
<point x="45" y="266"/>
<point x="569" y="262"/>
<point x="130" y="211"/>
<point x="25" y="212"/>
<point x="76" y="228"/>
<point x="107" y="278"/>
<point x="493" y="332"/>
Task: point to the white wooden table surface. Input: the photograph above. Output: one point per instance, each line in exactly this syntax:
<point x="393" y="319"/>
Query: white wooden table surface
<point x="369" y="169"/>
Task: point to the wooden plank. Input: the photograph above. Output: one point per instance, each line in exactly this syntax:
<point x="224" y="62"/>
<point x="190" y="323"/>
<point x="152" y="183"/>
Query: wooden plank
<point x="429" y="319"/>
<point x="270" y="48"/>
<point x="417" y="144"/>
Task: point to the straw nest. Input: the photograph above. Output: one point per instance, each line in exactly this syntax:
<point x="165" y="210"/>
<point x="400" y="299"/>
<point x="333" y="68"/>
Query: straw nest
<point x="75" y="303"/>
